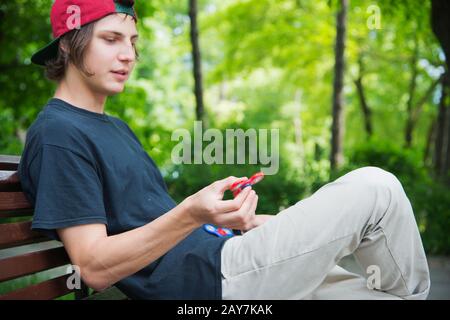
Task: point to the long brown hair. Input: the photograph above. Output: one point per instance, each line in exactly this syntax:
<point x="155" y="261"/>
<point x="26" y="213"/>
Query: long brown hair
<point x="72" y="48"/>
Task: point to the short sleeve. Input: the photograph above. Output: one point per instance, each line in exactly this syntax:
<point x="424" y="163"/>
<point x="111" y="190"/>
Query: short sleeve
<point x="68" y="190"/>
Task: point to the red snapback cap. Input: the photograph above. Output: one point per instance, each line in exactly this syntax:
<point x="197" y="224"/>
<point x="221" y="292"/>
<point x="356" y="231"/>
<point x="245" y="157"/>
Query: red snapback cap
<point x="67" y="15"/>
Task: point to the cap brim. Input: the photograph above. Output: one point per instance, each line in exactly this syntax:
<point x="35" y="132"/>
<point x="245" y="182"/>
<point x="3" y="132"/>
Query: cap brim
<point x="47" y="53"/>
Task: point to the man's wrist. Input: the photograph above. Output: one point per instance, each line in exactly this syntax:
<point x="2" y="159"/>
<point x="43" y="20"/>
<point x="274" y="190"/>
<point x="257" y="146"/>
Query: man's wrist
<point x="186" y="208"/>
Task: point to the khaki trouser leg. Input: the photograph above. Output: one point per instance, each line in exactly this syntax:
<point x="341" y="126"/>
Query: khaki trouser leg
<point x="365" y="212"/>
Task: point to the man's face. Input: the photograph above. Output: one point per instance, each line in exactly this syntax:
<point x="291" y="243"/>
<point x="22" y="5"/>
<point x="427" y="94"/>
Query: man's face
<point x="111" y="54"/>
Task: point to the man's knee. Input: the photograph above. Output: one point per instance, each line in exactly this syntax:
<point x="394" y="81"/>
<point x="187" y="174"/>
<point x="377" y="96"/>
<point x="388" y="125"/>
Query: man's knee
<point x="374" y="176"/>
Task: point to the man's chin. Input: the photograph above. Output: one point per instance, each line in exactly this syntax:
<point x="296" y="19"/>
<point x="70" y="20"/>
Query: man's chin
<point x="111" y="91"/>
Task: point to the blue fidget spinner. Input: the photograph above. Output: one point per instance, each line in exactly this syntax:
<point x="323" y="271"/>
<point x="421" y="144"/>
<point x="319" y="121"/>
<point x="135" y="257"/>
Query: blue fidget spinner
<point x="217" y="231"/>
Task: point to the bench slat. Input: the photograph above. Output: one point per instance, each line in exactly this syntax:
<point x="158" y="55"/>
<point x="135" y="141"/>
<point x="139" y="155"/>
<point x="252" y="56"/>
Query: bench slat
<point x="19" y="233"/>
<point x="16" y="213"/>
<point x="10" y="201"/>
<point x="13" y="203"/>
<point x="9" y="162"/>
<point x="9" y="181"/>
<point x="46" y="290"/>
<point x="22" y="265"/>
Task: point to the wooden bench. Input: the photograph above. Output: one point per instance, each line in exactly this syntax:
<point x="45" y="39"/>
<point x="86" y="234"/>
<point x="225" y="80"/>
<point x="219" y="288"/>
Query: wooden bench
<point x="25" y="255"/>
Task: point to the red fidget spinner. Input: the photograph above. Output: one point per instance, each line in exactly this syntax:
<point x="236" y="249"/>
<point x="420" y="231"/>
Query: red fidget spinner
<point x="239" y="185"/>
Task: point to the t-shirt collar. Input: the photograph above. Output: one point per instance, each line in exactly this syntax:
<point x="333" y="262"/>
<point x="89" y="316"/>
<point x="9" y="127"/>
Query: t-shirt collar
<point x="71" y="107"/>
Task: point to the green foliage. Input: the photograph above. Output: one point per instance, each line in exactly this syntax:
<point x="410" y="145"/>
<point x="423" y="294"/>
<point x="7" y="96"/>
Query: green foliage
<point x="24" y="27"/>
<point x="389" y="156"/>
<point x="9" y="143"/>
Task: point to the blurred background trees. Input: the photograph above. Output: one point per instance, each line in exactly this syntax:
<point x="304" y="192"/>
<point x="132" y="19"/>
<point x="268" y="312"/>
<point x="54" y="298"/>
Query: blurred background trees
<point x="376" y="94"/>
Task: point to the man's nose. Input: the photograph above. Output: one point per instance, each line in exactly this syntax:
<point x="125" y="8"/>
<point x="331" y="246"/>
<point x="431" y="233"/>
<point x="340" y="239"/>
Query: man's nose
<point x="127" y="53"/>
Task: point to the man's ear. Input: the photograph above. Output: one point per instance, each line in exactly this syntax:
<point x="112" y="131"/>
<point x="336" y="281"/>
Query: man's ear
<point x="63" y="48"/>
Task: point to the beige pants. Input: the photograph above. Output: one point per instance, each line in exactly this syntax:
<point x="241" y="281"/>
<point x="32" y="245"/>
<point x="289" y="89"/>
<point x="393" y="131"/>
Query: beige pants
<point x="295" y="254"/>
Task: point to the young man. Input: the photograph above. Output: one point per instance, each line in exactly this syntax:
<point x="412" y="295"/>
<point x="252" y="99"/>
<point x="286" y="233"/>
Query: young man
<point x="96" y="189"/>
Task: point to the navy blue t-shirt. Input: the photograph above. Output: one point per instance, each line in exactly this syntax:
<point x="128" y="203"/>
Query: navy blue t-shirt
<point x="80" y="167"/>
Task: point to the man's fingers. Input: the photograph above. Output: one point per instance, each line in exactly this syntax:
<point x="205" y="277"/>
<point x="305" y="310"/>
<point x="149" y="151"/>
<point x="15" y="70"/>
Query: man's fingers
<point x="235" y="204"/>
<point x="254" y="204"/>
<point x="238" y="219"/>
<point x="247" y="204"/>
<point x="226" y="183"/>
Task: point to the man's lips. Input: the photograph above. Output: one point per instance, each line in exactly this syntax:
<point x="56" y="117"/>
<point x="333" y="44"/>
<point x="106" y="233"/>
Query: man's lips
<point x="120" y="74"/>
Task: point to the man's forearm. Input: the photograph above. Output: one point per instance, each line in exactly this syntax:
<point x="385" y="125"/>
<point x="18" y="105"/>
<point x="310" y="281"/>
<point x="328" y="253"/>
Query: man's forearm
<point x="116" y="257"/>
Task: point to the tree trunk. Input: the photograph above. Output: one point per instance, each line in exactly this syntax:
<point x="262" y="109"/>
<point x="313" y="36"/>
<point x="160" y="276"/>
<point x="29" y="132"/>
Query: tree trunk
<point x="413" y="117"/>
<point x="363" y="100"/>
<point x="411" y="92"/>
<point x="196" y="58"/>
<point x="440" y="24"/>
<point x="446" y="165"/>
<point x="298" y="129"/>
<point x="440" y="151"/>
<point x="337" y="130"/>
<point x="431" y="136"/>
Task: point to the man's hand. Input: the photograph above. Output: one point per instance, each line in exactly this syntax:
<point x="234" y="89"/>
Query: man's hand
<point x="207" y="206"/>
